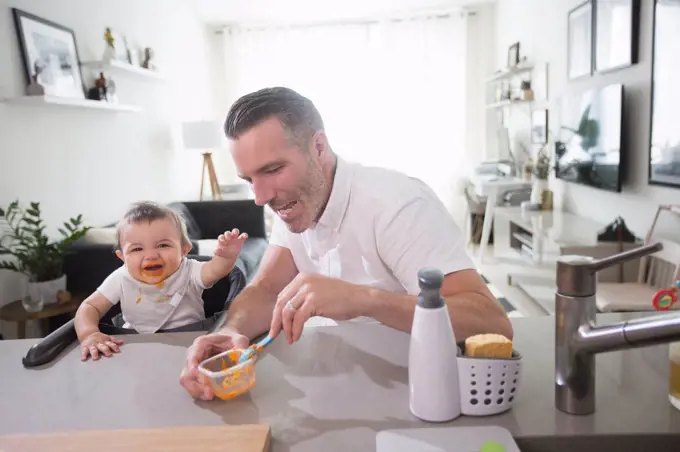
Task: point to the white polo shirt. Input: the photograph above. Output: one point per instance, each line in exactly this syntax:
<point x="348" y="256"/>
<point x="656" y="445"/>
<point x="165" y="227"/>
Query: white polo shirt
<point x="379" y="228"/>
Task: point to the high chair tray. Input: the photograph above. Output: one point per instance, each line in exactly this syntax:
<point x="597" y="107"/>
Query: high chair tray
<point x="443" y="439"/>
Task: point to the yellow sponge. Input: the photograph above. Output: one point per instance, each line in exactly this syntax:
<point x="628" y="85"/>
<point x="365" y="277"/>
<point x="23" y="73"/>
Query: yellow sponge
<point x="488" y="346"/>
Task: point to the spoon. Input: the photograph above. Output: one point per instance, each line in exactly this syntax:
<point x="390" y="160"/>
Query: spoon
<point x="255" y="349"/>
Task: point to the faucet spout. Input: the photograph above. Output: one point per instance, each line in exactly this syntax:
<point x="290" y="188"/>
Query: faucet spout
<point x="643" y="332"/>
<point x="578" y="338"/>
<point x="660" y="329"/>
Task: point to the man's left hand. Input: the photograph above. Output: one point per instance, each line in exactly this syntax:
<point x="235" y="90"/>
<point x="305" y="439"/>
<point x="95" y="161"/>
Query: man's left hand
<point x="309" y="295"/>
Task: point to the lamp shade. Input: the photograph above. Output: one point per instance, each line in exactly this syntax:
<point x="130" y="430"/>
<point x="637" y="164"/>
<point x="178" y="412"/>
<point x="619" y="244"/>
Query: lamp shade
<point x="201" y="134"/>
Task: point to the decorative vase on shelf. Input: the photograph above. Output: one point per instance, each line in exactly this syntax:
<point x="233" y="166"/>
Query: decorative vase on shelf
<point x="537" y="189"/>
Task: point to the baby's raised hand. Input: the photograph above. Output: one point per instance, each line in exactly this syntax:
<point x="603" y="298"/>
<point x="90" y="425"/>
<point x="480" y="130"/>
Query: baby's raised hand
<point x="230" y="243"/>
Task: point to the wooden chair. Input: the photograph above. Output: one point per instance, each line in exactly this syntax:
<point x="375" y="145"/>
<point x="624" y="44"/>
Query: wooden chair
<point x="657" y="271"/>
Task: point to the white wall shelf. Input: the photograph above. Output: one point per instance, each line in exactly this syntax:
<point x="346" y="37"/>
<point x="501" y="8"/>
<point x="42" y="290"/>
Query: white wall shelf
<point x="509" y="73"/>
<point x="54" y="101"/>
<point x="508" y="103"/>
<point x="123" y="67"/>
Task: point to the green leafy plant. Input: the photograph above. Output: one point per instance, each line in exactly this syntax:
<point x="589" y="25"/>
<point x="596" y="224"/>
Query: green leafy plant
<point x="543" y="166"/>
<point x="36" y="255"/>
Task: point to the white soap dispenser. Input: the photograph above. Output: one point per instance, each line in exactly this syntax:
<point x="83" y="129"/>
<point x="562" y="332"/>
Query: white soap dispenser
<point x="434" y="394"/>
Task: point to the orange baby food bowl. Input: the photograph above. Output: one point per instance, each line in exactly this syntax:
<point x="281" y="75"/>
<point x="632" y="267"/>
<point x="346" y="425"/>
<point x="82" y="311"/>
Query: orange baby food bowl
<point x="228" y="378"/>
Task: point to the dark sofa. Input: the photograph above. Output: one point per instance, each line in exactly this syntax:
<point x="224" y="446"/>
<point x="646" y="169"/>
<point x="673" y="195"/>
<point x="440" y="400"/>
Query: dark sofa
<point x="209" y="219"/>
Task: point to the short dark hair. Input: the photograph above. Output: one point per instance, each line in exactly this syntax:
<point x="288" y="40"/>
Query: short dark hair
<point x="297" y="114"/>
<point x="148" y="211"/>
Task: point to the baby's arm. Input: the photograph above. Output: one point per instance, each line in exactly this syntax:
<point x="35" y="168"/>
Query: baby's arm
<point x="88" y="315"/>
<point x="229" y="246"/>
<point x="86" y="322"/>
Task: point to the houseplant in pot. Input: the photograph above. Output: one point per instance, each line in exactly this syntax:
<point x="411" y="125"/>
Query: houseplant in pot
<point x="541" y="171"/>
<point x="33" y="253"/>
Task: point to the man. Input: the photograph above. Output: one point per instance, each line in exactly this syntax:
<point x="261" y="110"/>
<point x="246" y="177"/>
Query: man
<point x="347" y="242"/>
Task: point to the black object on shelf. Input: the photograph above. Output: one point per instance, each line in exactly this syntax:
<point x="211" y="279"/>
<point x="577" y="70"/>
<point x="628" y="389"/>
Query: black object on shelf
<point x="616" y="231"/>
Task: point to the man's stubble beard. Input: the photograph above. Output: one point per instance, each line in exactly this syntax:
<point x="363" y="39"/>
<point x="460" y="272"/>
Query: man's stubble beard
<point x="315" y="194"/>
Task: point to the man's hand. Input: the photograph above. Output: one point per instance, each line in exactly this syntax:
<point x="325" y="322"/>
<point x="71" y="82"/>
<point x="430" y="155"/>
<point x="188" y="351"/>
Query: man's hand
<point x="311" y="295"/>
<point x="203" y="348"/>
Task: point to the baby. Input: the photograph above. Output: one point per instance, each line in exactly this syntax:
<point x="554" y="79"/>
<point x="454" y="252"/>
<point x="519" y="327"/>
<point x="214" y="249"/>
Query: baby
<point x="157" y="286"/>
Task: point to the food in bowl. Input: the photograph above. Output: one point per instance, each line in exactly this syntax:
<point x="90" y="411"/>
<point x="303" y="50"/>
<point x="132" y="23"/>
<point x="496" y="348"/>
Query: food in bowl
<point x="227" y="377"/>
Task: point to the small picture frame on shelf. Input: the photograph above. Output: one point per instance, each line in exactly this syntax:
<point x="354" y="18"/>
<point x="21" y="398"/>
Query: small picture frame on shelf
<point x="616" y="34"/>
<point x="513" y="55"/>
<point x="580" y="41"/>
<point x="539" y="126"/>
<point x="50" y="56"/>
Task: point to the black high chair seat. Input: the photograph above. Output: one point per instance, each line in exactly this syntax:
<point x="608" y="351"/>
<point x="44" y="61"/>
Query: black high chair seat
<point x="216" y="304"/>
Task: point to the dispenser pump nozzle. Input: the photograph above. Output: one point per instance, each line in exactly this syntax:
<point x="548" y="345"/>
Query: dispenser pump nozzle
<point x="430" y="281"/>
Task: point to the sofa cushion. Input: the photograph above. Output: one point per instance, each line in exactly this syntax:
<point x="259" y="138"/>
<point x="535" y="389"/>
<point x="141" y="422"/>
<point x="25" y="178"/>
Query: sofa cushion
<point x="192" y="227"/>
<point x="100" y="236"/>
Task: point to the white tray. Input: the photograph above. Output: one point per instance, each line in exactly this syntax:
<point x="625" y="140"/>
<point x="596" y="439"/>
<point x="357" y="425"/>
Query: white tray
<point x="443" y="439"/>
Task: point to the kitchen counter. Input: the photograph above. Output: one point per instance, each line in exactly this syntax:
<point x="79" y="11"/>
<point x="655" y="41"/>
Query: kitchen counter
<point x="333" y="390"/>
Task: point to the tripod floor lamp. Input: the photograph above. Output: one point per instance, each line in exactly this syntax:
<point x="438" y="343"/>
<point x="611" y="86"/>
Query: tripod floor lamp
<point x="204" y="135"/>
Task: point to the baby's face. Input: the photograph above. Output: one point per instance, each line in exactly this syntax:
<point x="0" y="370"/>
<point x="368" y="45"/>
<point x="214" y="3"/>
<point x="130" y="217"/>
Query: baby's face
<point x="152" y="251"/>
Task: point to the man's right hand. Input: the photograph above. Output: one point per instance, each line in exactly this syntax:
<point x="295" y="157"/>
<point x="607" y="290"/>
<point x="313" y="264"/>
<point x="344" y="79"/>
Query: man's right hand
<point x="203" y="348"/>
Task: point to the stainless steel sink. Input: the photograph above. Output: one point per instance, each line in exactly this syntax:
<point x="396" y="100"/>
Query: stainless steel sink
<point x="653" y="442"/>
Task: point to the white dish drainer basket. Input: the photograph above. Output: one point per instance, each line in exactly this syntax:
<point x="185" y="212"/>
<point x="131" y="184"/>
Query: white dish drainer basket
<point x="488" y="385"/>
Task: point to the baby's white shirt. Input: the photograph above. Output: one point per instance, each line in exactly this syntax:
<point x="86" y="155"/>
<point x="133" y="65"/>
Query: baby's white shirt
<point x="148" y="308"/>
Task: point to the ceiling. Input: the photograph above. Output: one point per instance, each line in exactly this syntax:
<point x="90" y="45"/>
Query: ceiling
<point x="217" y="12"/>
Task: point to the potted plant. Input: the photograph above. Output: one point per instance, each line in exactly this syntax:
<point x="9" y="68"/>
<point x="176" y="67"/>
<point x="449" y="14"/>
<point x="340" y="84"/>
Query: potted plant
<point x="541" y="170"/>
<point x="35" y="255"/>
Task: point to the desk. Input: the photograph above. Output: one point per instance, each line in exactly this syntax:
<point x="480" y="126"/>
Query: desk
<point x="15" y="312"/>
<point x="489" y="186"/>
<point x="334" y="390"/>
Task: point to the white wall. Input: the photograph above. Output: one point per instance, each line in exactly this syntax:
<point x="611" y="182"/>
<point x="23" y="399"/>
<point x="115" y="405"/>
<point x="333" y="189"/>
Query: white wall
<point x="481" y="61"/>
<point x="85" y="161"/>
<point x="541" y="28"/>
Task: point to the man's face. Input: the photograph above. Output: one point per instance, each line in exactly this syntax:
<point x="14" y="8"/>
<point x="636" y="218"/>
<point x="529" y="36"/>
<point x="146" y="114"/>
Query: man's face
<point x="284" y="176"/>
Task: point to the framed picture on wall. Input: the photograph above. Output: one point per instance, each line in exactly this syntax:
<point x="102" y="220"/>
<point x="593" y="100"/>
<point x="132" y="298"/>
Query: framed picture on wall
<point x="539" y="126"/>
<point x="580" y="41"/>
<point x="616" y="34"/>
<point x="513" y="55"/>
<point x="664" y="149"/>
<point x="49" y="55"/>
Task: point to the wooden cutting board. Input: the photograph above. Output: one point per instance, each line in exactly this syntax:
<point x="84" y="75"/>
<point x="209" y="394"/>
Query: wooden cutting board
<point x="242" y="438"/>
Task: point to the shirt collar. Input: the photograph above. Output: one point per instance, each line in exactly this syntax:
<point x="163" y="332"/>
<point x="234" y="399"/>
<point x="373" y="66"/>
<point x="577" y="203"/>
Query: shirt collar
<point x="339" y="199"/>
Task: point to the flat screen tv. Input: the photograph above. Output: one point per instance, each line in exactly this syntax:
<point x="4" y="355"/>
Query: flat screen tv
<point x="590" y="150"/>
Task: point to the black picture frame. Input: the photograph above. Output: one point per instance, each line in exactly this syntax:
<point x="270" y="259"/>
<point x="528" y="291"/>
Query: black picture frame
<point x="603" y="11"/>
<point x="513" y="55"/>
<point x="51" y="50"/>
<point x="664" y="136"/>
<point x="580" y="22"/>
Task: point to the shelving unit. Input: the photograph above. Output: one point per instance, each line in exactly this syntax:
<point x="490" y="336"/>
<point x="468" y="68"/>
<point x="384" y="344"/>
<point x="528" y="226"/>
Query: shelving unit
<point x="509" y="73"/>
<point x="123" y="67"/>
<point x="507" y="103"/>
<point x="54" y="101"/>
<point x="508" y="76"/>
<point x="533" y="241"/>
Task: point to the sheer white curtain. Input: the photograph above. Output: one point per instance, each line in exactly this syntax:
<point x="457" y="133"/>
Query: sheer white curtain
<point x="391" y="93"/>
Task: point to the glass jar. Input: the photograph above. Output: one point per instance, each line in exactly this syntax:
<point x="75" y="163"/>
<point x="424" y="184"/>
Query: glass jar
<point x="32" y="299"/>
<point x="674" y="378"/>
